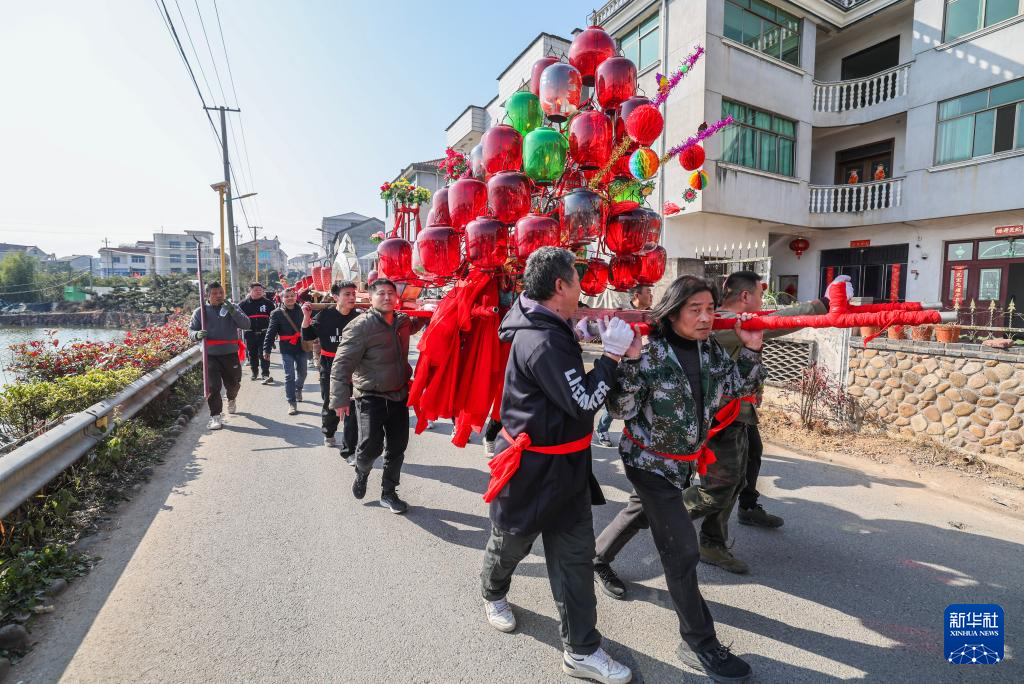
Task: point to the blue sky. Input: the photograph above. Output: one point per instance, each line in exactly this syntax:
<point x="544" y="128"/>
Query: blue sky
<point x="102" y="135"/>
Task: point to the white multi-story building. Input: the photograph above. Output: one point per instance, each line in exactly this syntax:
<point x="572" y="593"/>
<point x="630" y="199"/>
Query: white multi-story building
<point x="926" y="96"/>
<point x="175" y="253"/>
<point x="127" y="260"/>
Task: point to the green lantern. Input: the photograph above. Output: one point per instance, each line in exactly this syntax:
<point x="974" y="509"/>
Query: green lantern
<point x="523" y="110"/>
<point x="544" y="154"/>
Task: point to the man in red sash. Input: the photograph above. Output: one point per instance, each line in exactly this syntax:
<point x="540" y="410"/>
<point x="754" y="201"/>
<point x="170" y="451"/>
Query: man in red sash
<point x="224" y="349"/>
<point x="542" y="482"/>
<point x="258" y="307"/>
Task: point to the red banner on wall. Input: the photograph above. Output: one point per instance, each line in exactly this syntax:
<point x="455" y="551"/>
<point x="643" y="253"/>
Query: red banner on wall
<point x="894" y="283"/>
<point x="958" y="284"/>
<point x="860" y="243"/>
<point x="830" y="275"/>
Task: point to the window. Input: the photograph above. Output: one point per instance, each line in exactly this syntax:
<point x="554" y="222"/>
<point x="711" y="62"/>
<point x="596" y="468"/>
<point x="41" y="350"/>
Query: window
<point x="967" y="16"/>
<point x="989" y="281"/>
<point x="191" y="258"/>
<point x="265" y="256"/>
<point x="115" y="259"/>
<point x="764" y="28"/>
<point x="175" y="258"/>
<point x="641" y="44"/>
<point x="981" y="123"/>
<point x="1001" y="249"/>
<point x="138" y="259"/>
<point x="758" y="139"/>
<point x="959" y="251"/>
<point x="174" y="244"/>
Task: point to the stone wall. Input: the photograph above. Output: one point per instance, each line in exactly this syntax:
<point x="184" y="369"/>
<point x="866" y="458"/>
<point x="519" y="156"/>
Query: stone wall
<point x="963" y="396"/>
<point x="83" y="319"/>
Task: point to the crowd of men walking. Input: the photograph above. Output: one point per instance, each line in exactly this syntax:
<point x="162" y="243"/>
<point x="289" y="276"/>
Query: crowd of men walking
<point x="690" y="444"/>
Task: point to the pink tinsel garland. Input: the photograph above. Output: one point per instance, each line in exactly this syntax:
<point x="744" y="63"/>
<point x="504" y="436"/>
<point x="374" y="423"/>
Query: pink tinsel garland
<point x="676" y="77"/>
<point x="699" y="138"/>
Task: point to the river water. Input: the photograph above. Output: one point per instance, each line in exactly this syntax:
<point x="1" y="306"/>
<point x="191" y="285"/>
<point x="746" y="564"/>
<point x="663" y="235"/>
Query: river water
<point x="9" y="336"/>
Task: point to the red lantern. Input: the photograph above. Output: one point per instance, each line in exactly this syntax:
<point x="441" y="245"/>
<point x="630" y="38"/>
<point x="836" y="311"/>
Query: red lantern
<point x="502" y="149"/>
<point x="590" y="140"/>
<point x="692" y="158"/>
<point x="644" y="124"/>
<point x="538" y="68"/>
<point x="371" y="276"/>
<point x="625" y="271"/>
<point x="652" y="266"/>
<point x="560" y="86"/>
<point x="439" y="250"/>
<point x="508" y="195"/>
<point x="582" y="216"/>
<point x="595" y="278"/>
<point x="395" y="259"/>
<point x="534" y="231"/>
<point x="589" y="49"/>
<point x="799" y="246"/>
<point x="614" y="82"/>
<point x="627" y="232"/>
<point x="486" y="243"/>
<point x="467" y="199"/>
<point x="653" y="229"/>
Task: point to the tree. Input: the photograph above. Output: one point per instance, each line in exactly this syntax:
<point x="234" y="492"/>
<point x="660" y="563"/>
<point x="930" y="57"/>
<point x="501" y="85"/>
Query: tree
<point x="18" y="276"/>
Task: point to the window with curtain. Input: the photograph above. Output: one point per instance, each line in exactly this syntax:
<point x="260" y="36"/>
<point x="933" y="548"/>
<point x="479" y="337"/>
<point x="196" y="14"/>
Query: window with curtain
<point x="641" y="45"/>
<point x="968" y="16"/>
<point x="763" y="27"/>
<point x="981" y="123"/>
<point x="758" y="139"/>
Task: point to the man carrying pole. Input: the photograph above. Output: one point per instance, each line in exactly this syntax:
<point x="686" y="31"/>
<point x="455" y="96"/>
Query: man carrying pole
<point x="258" y="307"/>
<point x="224" y="349"/>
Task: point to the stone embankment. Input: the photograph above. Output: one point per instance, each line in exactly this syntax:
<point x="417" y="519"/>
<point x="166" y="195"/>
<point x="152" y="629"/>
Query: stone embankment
<point x="83" y="319"/>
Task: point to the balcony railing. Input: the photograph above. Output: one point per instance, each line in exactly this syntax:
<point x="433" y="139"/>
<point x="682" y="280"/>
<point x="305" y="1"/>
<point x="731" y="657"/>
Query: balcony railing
<point x="849" y="199"/>
<point x="842" y="96"/>
<point x="598" y="17"/>
<point x="847" y="5"/>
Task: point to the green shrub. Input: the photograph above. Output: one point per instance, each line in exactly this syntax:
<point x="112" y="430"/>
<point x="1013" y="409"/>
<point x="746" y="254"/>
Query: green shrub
<point x="25" y="577"/>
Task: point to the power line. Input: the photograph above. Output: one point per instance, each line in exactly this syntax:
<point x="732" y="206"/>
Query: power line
<point x="195" y="53"/>
<point x="216" y="72"/>
<point x="48" y="287"/>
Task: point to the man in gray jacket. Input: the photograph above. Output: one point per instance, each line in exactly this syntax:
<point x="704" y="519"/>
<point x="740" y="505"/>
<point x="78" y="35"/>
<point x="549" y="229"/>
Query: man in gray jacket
<point x="224" y="349"/>
<point x="372" y="364"/>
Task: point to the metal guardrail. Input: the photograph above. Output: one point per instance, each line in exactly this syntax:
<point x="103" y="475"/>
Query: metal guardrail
<point x="33" y="465"/>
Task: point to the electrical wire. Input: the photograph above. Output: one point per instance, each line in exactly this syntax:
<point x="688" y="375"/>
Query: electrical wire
<point x="48" y="287"/>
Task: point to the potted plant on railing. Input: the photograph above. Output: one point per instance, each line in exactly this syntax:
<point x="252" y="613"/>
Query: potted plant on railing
<point x="896" y="332"/>
<point x="947" y="333"/>
<point x="868" y="330"/>
<point x="921" y="333"/>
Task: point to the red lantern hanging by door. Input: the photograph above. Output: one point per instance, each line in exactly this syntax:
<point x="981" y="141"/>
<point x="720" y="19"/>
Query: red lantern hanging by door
<point x="467" y="199"/>
<point x="626" y="232"/>
<point x="439" y="250"/>
<point x="534" y="231"/>
<point x="589" y="49"/>
<point x="652" y="266"/>
<point x="560" y="86"/>
<point x="625" y="271"/>
<point x="538" y="68"/>
<point x="582" y="216"/>
<point x="590" y="140"/>
<point x="595" y="278"/>
<point x="502" y="149"/>
<point x="614" y="82"/>
<point x="508" y="196"/>
<point x="799" y="246"/>
<point x="486" y="243"/>
<point x="395" y="259"/>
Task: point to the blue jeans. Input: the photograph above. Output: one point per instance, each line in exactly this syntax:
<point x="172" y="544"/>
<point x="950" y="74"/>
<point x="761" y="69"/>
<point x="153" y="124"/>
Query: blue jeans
<point x="605" y="421"/>
<point x="294" y="372"/>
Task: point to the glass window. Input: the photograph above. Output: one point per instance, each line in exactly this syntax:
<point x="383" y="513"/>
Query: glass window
<point x="138" y="259"/>
<point x="642" y="44"/>
<point x="115" y="259"/>
<point x="952" y="284"/>
<point x="1008" y="92"/>
<point x="1000" y="249"/>
<point x="984" y="126"/>
<point x="954" y="140"/>
<point x="965" y="104"/>
<point x="175" y="258"/>
<point x="190" y="257"/>
<point x="1020" y="125"/>
<point x="763" y="27"/>
<point x="174" y="244"/>
<point x="1000" y="10"/>
<point x="993" y="126"/>
<point x="959" y="251"/>
<point x="966" y="16"/>
<point x="989" y="280"/>
<point x="758" y="140"/>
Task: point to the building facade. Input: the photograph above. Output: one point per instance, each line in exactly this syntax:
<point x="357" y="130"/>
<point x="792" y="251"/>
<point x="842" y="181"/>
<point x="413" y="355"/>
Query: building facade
<point x="271" y="256"/>
<point x="127" y="260"/>
<point x="30" y="250"/>
<point x="175" y="253"/>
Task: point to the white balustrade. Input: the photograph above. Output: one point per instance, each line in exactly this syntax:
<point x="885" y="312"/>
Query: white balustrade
<point x="842" y="96"/>
<point x="858" y="197"/>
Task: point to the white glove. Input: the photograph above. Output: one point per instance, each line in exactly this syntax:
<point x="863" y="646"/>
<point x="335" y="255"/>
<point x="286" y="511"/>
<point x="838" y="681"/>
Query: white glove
<point x="849" y="285"/>
<point x="616" y="335"/>
<point x="582" y="329"/>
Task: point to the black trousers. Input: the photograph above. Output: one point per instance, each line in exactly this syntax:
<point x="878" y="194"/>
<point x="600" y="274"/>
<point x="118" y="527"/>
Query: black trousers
<point x="383" y="427"/>
<point x="662" y="507"/>
<point x="715" y="497"/>
<point x="350" y="433"/>
<point x="222" y="370"/>
<point x="491" y="429"/>
<point x="755" y="449"/>
<point x="568" y="555"/>
<point x="254" y="351"/>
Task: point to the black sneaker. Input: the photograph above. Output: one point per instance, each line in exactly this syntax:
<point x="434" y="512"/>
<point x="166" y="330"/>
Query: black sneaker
<point x="716" y="662"/>
<point x="254" y="377"/>
<point x="758" y="517"/>
<point x="359" y="485"/>
<point x="609" y="581"/>
<point x="391" y="501"/>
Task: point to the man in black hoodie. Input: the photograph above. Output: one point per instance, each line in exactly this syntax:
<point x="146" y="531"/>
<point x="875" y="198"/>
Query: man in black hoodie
<point x="542" y="482"/>
<point x="257" y="306"/>
<point x="286" y="323"/>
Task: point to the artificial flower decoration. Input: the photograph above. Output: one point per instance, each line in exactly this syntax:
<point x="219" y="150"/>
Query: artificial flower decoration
<point x="689" y="194"/>
<point x="454" y="165"/>
<point x="377" y="237"/>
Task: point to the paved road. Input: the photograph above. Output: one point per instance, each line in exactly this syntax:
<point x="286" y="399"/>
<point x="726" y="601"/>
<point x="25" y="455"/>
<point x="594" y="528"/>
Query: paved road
<point x="247" y="559"/>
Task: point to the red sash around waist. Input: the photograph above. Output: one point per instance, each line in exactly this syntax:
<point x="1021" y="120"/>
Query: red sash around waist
<point x="291" y="339"/>
<point x="330" y="355"/>
<point x="240" y="343"/>
<point x="259" y="315"/>
<point x="505" y="464"/>
<point x="703" y="456"/>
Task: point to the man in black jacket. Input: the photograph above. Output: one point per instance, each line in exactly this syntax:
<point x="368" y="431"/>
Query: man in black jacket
<point x="257" y="306"/>
<point x="286" y="323"/>
<point x="327" y="326"/>
<point x="542" y="482"/>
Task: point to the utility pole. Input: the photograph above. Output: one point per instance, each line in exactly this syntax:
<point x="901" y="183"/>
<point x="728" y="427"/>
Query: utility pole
<point x="227" y="196"/>
<point x="256" y="250"/>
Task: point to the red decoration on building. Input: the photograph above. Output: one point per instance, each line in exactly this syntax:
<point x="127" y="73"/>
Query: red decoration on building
<point x="508" y="196"/>
<point x="625" y="272"/>
<point x="534" y="231"/>
<point x="589" y="49"/>
<point x="395" y="259"/>
<point x="595" y="278"/>
<point x="582" y="216"/>
<point x="538" y="68"/>
<point x="467" y="199"/>
<point x="614" y="82"/>
<point x="692" y="158"/>
<point x="626" y="232"/>
<point x="894" y="283"/>
<point x="644" y="124"/>
<point x="502" y="149"/>
<point x="486" y="243"/>
<point x="439" y="251"/>
<point x="590" y="140"/>
<point x="830" y="275"/>
<point x="652" y="266"/>
<point x="799" y="245"/>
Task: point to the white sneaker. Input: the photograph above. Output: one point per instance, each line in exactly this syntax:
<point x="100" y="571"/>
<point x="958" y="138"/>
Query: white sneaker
<point x="488" y="449"/>
<point x="499" y="614"/>
<point x="232" y="407"/>
<point x="598" y="666"/>
<point x="216" y="423"/>
<point x="330" y="441"/>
